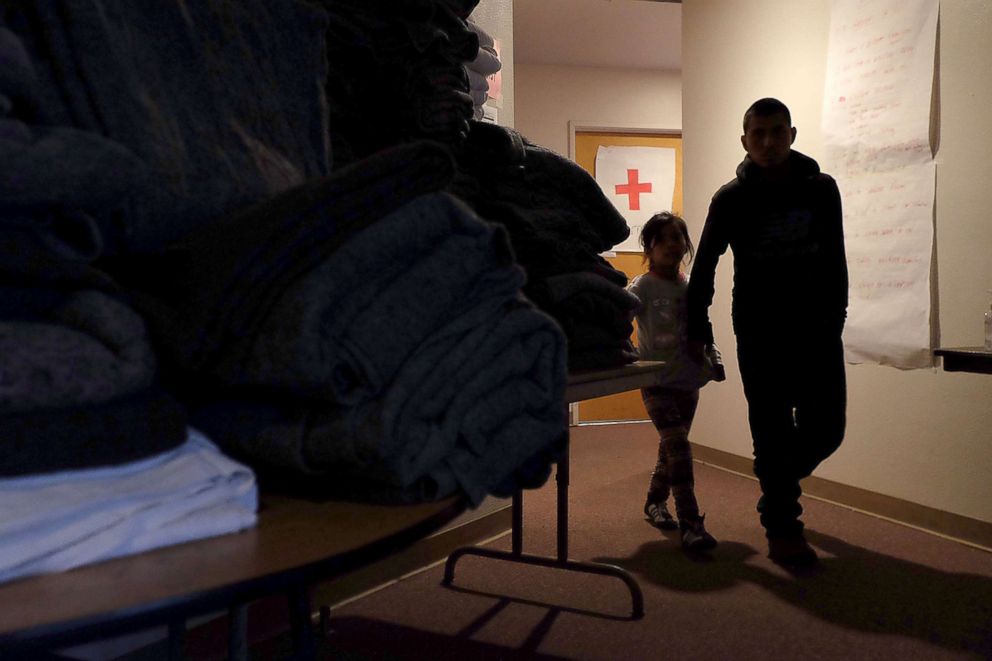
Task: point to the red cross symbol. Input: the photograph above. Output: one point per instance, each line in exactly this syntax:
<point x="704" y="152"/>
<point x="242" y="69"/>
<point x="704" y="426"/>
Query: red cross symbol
<point x="633" y="189"/>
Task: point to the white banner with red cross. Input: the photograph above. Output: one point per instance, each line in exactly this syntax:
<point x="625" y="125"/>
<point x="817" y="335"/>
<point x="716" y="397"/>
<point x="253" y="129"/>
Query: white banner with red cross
<point x="640" y="182"/>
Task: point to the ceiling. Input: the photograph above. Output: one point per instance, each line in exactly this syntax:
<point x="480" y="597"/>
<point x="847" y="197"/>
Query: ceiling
<point x="639" y="34"/>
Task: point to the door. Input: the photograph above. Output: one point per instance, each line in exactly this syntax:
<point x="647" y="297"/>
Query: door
<point x="627" y="405"/>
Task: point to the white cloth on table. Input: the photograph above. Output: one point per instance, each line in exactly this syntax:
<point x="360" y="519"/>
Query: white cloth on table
<point x="485" y="63"/>
<point x="56" y="521"/>
<point x="477" y="81"/>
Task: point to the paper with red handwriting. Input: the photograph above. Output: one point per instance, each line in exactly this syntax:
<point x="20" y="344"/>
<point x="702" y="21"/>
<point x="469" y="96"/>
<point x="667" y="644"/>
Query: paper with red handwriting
<point x="876" y="126"/>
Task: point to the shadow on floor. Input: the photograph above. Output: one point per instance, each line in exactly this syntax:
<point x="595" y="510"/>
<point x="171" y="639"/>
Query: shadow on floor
<point x="358" y="638"/>
<point x="852" y="587"/>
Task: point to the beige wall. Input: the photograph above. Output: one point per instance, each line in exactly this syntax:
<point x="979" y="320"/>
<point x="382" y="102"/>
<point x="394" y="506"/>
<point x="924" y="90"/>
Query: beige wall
<point x="923" y="435"/>
<point x="548" y="97"/>
<point x="926" y="435"/>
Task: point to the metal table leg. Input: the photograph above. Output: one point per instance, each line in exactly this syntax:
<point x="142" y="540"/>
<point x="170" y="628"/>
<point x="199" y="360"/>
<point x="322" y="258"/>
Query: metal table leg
<point x="304" y="645"/>
<point x="237" y="633"/>
<point x="561" y="560"/>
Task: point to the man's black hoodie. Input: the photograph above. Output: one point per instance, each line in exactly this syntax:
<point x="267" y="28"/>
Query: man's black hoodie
<point x="790" y="269"/>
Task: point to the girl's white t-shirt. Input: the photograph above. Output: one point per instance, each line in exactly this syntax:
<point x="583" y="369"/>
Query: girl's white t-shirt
<point x="662" y="333"/>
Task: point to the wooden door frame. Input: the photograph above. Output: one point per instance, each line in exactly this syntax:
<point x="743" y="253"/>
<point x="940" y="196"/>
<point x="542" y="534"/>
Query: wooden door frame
<point x="576" y="126"/>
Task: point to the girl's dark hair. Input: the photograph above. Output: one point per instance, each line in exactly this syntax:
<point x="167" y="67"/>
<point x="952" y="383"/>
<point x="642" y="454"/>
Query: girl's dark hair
<point x="653" y="228"/>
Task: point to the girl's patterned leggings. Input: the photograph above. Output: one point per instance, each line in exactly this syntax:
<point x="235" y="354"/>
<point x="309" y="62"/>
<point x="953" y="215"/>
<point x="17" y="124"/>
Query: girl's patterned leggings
<point x="672" y="412"/>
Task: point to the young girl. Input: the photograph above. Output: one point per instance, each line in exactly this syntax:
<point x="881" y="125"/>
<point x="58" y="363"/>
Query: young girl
<point x="661" y="335"/>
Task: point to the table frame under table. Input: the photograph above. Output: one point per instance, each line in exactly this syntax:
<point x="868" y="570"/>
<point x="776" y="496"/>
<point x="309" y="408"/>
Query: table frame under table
<point x="581" y="386"/>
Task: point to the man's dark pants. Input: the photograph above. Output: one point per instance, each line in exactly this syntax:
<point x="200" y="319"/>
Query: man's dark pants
<point x="796" y="392"/>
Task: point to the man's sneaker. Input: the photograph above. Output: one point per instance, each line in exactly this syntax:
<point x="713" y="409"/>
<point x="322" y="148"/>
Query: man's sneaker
<point x="792" y="550"/>
<point x="659" y="516"/>
<point x="695" y="537"/>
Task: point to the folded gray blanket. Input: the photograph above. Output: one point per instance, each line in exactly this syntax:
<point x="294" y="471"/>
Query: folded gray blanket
<point x="90" y="348"/>
<point x="208" y="296"/>
<point x="64" y="186"/>
<point x="586" y="299"/>
<point x="345" y="331"/>
<point x="77" y="373"/>
<point x="542" y="197"/>
<point x="403" y="377"/>
<point x="595" y="313"/>
<point x="396" y="73"/>
<point x="478" y="408"/>
<point x="221" y="101"/>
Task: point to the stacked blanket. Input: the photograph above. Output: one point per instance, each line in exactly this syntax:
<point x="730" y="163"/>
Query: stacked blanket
<point x="365" y="330"/>
<point x="595" y="313"/>
<point x="559" y="222"/>
<point x="78" y="375"/>
<point x="218" y="102"/>
<point x="209" y="294"/>
<point x="357" y="330"/>
<point x="485" y="63"/>
<point x="399" y="73"/>
<point x="476" y="410"/>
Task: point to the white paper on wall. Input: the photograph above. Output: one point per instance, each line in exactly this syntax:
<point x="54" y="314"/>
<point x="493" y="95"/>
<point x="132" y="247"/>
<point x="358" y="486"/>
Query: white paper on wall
<point x="876" y="125"/>
<point x="639" y="181"/>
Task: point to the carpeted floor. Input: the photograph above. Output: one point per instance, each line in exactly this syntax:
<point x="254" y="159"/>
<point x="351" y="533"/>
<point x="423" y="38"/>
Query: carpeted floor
<point x="882" y="590"/>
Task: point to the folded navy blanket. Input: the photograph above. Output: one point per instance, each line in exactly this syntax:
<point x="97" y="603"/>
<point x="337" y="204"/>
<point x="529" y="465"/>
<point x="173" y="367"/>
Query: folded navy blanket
<point x="68" y="337"/>
<point x="77" y="379"/>
<point x="477" y="409"/>
<point x="221" y="101"/>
